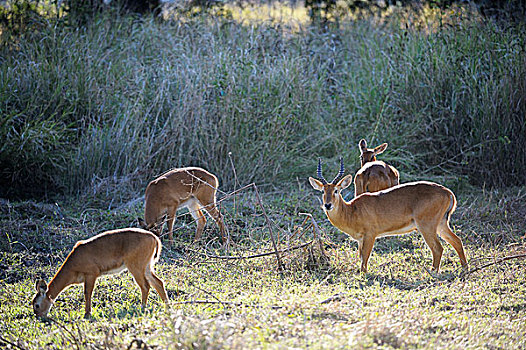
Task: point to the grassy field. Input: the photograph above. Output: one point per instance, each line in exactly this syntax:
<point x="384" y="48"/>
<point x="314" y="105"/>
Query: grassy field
<point x="90" y="114"/>
<point x="248" y="303"/>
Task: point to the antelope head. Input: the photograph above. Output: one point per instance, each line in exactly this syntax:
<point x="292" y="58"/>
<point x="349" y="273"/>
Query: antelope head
<point x="155" y="227"/>
<point x="369" y="154"/>
<point x="41" y="302"/>
<point x="331" y="190"/>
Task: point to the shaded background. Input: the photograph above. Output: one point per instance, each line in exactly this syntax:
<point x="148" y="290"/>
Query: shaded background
<point x="110" y="95"/>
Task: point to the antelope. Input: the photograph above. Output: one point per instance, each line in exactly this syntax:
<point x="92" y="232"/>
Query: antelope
<point x="107" y="253"/>
<point x="193" y="188"/>
<point x="374" y="175"/>
<point x="422" y="205"/>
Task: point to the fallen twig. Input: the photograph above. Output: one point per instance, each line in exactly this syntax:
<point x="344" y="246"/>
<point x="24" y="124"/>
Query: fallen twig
<point x="212" y="295"/>
<point x="250" y="256"/>
<point x="206" y="302"/>
<point x="7" y="342"/>
<point x="74" y="339"/>
<point x="298" y="229"/>
<point x="230" y="303"/>
<point x="316" y="233"/>
<point x="518" y="256"/>
<point x="335" y="297"/>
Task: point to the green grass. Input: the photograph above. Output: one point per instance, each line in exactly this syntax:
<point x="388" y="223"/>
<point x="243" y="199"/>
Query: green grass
<point x="396" y="305"/>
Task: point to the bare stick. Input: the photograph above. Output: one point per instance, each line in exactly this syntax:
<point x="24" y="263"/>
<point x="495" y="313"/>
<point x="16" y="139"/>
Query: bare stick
<point x="251" y="256"/>
<point x="7" y="342"/>
<point x="212" y="295"/>
<point x="335" y="297"/>
<point x="206" y="302"/>
<point x="75" y="340"/>
<point x="316" y="233"/>
<point x="218" y="202"/>
<point x="233" y="169"/>
<point x="280" y="263"/>
<point x="202" y="181"/>
<point x="228" y="195"/>
<point x="300" y="236"/>
<point x="236" y="183"/>
<point x="298" y="229"/>
<point x="518" y="256"/>
<point x="230" y="303"/>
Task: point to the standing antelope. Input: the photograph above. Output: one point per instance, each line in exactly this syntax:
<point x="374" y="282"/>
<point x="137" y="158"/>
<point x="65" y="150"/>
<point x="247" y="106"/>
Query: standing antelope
<point x="107" y="253"/>
<point x="374" y="175"/>
<point x="193" y="188"/>
<point x="421" y="205"/>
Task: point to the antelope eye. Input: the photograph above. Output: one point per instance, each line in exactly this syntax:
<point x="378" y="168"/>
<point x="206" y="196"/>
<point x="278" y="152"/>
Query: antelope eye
<point x="37" y="306"/>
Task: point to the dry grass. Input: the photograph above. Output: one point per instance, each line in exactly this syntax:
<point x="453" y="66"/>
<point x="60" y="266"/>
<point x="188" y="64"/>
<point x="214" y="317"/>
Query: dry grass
<point x="123" y="99"/>
<point x="248" y="303"/>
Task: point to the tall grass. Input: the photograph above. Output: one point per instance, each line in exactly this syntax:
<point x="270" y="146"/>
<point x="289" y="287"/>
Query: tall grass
<point x="128" y="98"/>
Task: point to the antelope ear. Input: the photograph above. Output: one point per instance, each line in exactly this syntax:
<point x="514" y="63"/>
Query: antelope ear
<point x="363" y="145"/>
<point x="380" y="149"/>
<point x="41" y="286"/>
<point x="345" y="182"/>
<point x="316" y="184"/>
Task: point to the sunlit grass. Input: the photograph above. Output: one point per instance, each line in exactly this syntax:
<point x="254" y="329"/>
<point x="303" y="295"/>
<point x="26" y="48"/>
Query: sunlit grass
<point x="275" y="13"/>
<point x="398" y="304"/>
<point x="295" y="16"/>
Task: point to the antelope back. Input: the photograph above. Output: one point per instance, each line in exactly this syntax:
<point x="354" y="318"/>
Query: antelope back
<point x="174" y="188"/>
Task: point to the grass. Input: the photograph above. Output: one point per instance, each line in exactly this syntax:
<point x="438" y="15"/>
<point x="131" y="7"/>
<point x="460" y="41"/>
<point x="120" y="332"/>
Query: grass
<point x="253" y="305"/>
<point x="128" y="99"/>
<point x="89" y="115"/>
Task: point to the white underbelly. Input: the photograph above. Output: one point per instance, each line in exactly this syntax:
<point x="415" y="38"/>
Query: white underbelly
<point x="190" y="203"/>
<point x="406" y="229"/>
<point x="115" y="270"/>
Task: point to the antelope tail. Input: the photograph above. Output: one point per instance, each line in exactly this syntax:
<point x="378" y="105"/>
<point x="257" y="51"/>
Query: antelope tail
<point x="157" y="252"/>
<point x="452" y="206"/>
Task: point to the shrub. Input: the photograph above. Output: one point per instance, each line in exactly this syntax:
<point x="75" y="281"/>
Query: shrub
<point x="126" y="98"/>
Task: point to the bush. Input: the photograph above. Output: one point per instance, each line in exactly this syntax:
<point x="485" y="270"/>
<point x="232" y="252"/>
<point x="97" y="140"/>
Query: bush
<point x="127" y="98"/>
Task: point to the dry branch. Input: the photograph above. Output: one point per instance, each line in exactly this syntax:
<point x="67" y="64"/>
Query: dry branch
<point x="518" y="256"/>
<point x="250" y="256"/>
<point x="206" y="302"/>
<point x="278" y="257"/>
<point x="335" y="297"/>
<point x="317" y="232"/>
<point x="229" y="303"/>
<point x="7" y="342"/>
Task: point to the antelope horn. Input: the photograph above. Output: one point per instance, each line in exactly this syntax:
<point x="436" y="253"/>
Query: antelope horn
<point x="340" y="173"/>
<point x="320" y="176"/>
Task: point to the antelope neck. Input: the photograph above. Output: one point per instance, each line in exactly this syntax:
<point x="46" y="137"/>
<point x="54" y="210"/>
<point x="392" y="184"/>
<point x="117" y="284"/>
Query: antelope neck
<point x="56" y="286"/>
<point x="337" y="208"/>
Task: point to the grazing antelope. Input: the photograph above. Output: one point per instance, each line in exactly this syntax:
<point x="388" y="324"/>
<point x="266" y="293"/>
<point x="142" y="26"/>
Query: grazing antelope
<point x="422" y="206"/>
<point x="107" y="253"/>
<point x="374" y="175"/>
<point x="193" y="188"/>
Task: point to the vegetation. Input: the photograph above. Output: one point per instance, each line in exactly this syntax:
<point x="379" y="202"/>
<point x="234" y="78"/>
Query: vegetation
<point x="251" y="304"/>
<point x="128" y="99"/>
<point x="90" y="114"/>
